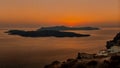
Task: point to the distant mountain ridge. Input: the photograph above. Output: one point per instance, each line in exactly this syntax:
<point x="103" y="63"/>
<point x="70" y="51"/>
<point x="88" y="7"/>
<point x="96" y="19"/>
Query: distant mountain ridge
<point x="68" y="28"/>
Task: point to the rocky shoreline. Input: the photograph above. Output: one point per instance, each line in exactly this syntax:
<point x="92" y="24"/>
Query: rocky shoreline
<point x="109" y="58"/>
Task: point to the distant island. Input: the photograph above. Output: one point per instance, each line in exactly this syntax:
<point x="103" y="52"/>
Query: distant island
<point x="109" y="58"/>
<point x="45" y="33"/>
<point x="68" y="28"/>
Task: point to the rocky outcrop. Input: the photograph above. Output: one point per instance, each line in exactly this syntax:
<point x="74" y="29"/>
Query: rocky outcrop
<point x="114" y="42"/>
<point x="85" y="56"/>
<point x="45" y="33"/>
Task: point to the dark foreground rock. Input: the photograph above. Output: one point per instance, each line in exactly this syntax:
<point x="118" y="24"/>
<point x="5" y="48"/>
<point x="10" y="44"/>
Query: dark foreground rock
<point x="114" y="42"/>
<point x="112" y="62"/>
<point x="45" y="33"/>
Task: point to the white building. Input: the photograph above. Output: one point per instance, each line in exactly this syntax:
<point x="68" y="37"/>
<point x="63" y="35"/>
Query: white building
<point x="114" y="49"/>
<point x="102" y="53"/>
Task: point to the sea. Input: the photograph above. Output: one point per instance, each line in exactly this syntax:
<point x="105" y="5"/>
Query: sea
<point x="27" y="52"/>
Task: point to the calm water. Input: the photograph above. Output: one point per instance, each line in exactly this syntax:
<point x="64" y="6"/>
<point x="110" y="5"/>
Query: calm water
<point x="21" y="52"/>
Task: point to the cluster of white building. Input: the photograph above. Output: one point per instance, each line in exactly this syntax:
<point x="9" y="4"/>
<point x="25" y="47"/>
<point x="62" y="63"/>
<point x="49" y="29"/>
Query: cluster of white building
<point x="112" y="50"/>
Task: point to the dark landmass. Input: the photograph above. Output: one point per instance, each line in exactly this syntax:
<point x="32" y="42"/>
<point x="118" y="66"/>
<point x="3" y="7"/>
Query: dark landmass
<point x="45" y="33"/>
<point x="85" y="60"/>
<point x="68" y="28"/>
<point x="114" y="42"/>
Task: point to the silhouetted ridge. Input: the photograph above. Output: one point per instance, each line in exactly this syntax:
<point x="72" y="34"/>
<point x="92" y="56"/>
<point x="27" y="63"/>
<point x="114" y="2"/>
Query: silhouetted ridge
<point x="68" y="28"/>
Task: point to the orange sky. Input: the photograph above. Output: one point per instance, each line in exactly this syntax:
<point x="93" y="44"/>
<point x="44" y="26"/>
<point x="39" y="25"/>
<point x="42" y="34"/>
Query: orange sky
<point x="61" y="12"/>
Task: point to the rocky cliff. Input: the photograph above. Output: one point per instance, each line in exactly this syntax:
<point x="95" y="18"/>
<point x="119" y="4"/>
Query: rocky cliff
<point x="114" y="42"/>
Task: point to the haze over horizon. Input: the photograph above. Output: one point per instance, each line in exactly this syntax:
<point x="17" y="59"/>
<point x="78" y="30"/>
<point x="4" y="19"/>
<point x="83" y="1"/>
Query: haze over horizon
<point x="60" y="12"/>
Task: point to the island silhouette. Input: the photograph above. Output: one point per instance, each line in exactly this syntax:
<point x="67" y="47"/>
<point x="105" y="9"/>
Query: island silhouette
<point x="45" y="33"/>
<point x="55" y="31"/>
<point x="68" y="28"/>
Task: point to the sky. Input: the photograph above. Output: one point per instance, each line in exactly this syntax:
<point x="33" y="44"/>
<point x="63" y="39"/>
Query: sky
<point x="60" y="12"/>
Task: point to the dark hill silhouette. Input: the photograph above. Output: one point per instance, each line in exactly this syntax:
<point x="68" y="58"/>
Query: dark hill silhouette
<point x="68" y="28"/>
<point x="45" y="33"/>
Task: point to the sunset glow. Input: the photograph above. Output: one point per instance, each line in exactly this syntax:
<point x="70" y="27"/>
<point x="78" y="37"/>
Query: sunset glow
<point x="62" y="12"/>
